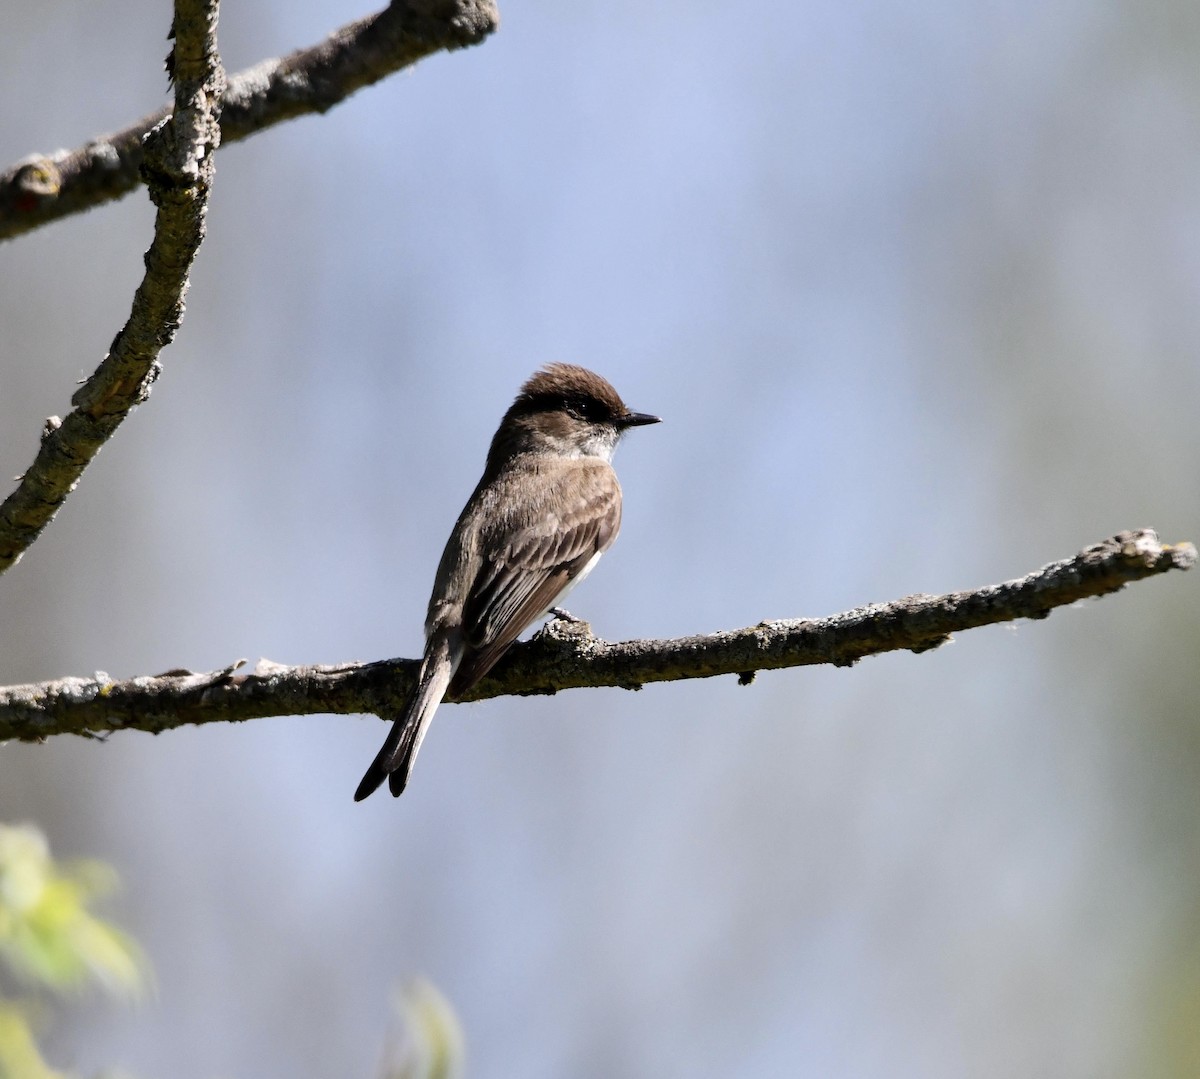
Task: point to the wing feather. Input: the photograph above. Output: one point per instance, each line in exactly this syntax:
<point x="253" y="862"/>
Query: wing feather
<point x="543" y="550"/>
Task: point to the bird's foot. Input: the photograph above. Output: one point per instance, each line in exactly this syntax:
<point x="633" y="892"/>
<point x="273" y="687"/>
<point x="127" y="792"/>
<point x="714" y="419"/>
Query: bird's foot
<point x="562" y="626"/>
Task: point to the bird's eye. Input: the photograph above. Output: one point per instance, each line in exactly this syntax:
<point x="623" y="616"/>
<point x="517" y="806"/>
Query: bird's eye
<point x="583" y="409"/>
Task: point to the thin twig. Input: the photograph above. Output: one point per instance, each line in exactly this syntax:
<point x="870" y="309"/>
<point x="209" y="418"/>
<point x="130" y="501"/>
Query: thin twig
<point x="44" y="187"/>
<point x="566" y="656"/>
<point x="178" y="169"/>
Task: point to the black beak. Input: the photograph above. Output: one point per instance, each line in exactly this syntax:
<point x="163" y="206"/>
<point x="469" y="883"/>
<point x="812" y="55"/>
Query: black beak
<point x="638" y="419"/>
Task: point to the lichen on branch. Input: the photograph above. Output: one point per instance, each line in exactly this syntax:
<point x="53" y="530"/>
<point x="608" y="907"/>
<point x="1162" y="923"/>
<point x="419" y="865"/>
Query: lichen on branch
<point x="567" y="656"/>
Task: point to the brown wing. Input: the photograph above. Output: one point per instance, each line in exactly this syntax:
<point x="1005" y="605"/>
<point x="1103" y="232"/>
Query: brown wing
<point x="543" y="550"/>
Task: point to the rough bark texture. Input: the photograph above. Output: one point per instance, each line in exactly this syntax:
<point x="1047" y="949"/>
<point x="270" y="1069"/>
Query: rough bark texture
<point x="172" y="152"/>
<point x="177" y="165"/>
<point x="44" y="187"/>
<point x="566" y="656"/>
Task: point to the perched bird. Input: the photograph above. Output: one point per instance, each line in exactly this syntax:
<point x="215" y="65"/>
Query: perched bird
<point x="548" y="506"/>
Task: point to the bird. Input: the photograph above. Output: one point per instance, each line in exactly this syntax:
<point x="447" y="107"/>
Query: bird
<point x="546" y="508"/>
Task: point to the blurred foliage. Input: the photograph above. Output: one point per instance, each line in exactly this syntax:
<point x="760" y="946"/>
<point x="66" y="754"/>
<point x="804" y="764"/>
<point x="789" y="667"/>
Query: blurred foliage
<point x="50" y="940"/>
<point x="19" y="1056"/>
<point x="432" y="1045"/>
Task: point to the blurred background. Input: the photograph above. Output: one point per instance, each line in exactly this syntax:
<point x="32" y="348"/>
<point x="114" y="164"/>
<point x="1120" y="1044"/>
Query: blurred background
<point x="915" y="288"/>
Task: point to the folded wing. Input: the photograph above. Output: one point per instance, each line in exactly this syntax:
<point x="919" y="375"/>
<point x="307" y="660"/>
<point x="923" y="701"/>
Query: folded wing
<point x="544" y="550"/>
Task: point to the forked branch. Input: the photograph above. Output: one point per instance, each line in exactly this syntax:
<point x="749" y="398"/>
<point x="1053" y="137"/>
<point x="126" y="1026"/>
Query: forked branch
<point x="178" y="169"/>
<point x="172" y="152"/>
<point x="44" y="187"/>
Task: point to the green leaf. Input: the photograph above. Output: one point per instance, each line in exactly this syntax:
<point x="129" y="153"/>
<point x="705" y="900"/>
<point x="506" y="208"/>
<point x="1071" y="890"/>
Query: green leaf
<point x="48" y="936"/>
<point x="19" y="1056"/>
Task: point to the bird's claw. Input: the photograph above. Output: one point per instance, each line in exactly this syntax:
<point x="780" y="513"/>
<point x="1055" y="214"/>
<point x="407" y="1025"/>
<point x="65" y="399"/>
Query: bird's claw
<point x="562" y="614"/>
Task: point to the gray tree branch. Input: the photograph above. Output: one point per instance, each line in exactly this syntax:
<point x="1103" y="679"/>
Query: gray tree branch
<point x="44" y="187"/>
<point x="178" y="169"/>
<point x="566" y="656"/>
<point x="172" y="152"/>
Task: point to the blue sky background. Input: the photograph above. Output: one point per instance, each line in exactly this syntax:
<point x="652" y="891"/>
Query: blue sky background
<point x="915" y="289"/>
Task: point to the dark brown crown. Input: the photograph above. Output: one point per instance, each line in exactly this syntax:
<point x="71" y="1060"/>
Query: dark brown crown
<point x="573" y="389"/>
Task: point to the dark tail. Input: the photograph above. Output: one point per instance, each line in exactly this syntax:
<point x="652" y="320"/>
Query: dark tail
<point x="394" y="762"/>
